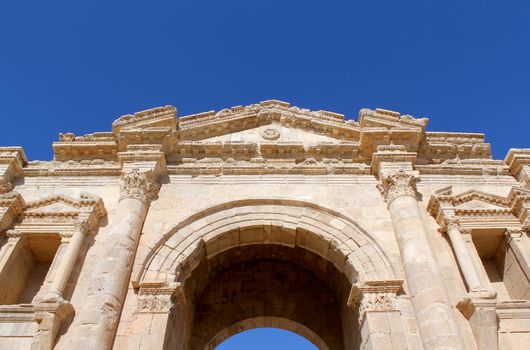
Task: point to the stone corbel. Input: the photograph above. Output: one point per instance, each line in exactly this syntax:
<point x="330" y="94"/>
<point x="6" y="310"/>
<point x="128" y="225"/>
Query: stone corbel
<point x="159" y="297"/>
<point x="375" y="296"/>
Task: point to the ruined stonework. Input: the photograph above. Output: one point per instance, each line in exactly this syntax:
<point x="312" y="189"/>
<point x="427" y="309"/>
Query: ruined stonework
<point x="178" y="232"/>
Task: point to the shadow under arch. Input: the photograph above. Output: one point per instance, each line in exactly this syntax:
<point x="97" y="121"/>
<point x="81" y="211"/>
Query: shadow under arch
<point x="182" y="258"/>
<point x="267" y="322"/>
<point x="321" y="230"/>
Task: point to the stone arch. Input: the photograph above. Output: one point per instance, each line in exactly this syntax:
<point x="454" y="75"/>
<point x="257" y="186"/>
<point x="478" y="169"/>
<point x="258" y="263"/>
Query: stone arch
<point x="323" y="231"/>
<point x="268" y="321"/>
<point x="185" y="263"/>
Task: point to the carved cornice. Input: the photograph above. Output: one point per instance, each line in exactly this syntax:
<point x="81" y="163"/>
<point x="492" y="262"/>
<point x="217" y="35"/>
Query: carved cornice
<point x="155" y="117"/>
<point x="394" y="184"/>
<point x="261" y="166"/>
<point x="93" y="167"/>
<point x="183" y="139"/>
<point x="438" y="147"/>
<point x="459" y="166"/>
<point x="519" y="162"/>
<point x="138" y="185"/>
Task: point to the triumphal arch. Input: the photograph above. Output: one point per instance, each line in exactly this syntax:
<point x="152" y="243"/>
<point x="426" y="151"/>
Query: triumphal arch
<point x="176" y="233"/>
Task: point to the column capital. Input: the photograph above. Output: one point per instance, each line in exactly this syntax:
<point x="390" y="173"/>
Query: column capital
<point x="138" y="185"/>
<point x="450" y="223"/>
<point x="15" y="235"/>
<point x="83" y="227"/>
<point x="375" y="296"/>
<point x="398" y="183"/>
<point x="465" y="231"/>
<point x="513" y="234"/>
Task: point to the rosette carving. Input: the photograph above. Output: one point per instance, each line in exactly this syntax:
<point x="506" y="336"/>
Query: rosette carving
<point x="398" y="183"/>
<point x="138" y="185"/>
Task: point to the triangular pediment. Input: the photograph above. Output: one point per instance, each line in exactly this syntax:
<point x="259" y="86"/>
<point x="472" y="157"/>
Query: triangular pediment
<point x="478" y="204"/>
<point x="273" y="132"/>
<point x="160" y="117"/>
<point x="474" y="199"/>
<point x="269" y="130"/>
<point x="54" y="204"/>
<point x="236" y="119"/>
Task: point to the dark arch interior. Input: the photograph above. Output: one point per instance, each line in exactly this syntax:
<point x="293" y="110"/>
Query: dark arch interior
<point x="265" y="280"/>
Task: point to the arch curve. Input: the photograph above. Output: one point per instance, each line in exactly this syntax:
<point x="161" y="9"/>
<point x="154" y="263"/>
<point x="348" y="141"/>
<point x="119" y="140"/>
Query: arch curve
<point x="267" y="322"/>
<point x="211" y="231"/>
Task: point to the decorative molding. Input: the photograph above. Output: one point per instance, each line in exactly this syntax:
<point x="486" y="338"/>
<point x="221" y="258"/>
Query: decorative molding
<point x="377" y="127"/>
<point x="398" y="183"/>
<point x="138" y="185"/>
<point x="159" y="297"/>
<point x="60" y="214"/>
<point x="517" y="309"/>
<point x="375" y="296"/>
<point x="86" y="167"/>
<point x="473" y="206"/>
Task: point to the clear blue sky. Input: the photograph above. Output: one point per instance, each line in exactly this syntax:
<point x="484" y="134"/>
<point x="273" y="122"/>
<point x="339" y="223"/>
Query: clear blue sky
<point x="266" y="339"/>
<point x="71" y="66"/>
<point x="76" y="66"/>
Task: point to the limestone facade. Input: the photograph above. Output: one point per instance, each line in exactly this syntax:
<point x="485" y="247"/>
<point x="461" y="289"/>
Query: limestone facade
<point x="175" y="232"/>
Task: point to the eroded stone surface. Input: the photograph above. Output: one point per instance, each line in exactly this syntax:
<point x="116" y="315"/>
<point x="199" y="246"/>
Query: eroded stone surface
<point x="177" y="232"/>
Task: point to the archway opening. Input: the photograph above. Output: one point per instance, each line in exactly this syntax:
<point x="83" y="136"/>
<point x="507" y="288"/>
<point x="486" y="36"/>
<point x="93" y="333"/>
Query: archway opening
<point x="265" y="339"/>
<point x="266" y="285"/>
